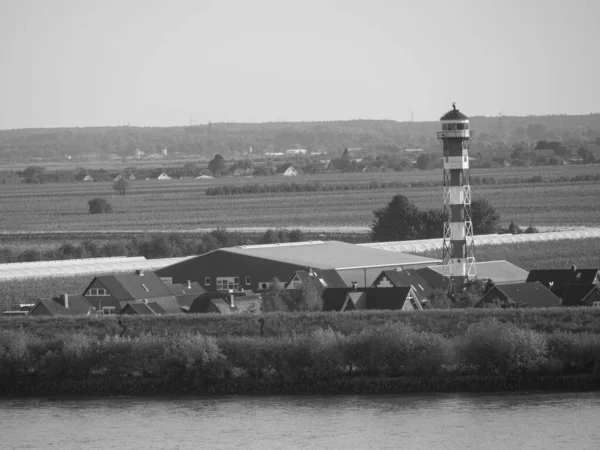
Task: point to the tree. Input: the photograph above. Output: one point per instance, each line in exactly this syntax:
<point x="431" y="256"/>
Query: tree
<point x="513" y="228"/>
<point x="99" y="206"/>
<point x="217" y="165"/>
<point x="32" y="174"/>
<point x="122" y="185"/>
<point x="423" y="161"/>
<point x="484" y="217"/>
<point x="275" y="298"/>
<point x="399" y="220"/>
<point x="432" y="223"/>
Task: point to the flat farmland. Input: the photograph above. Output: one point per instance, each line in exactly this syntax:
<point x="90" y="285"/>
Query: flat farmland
<point x="183" y="205"/>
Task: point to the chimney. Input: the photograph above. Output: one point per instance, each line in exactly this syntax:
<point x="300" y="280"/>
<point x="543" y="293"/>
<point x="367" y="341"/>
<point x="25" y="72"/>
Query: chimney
<point x="354" y="284"/>
<point x="231" y="298"/>
<point x="189" y="284"/>
<point x="64" y="300"/>
<point x="573" y="268"/>
<point x="140" y="272"/>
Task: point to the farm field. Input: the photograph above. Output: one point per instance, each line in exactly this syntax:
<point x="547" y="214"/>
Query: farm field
<point x="182" y="204"/>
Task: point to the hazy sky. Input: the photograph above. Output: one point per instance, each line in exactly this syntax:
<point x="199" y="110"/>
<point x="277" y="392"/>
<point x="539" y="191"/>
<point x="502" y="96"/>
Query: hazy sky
<point x="150" y="62"/>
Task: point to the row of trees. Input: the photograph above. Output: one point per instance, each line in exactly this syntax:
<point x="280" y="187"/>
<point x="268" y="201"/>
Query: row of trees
<point x="401" y="220"/>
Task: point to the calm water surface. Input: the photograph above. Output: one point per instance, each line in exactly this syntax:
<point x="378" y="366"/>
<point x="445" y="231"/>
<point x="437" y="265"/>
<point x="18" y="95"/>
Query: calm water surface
<point x="457" y="421"/>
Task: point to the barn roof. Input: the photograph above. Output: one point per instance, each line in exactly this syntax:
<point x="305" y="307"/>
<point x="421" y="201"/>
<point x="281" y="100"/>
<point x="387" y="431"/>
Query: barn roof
<point x="137" y="308"/>
<point x="78" y="305"/>
<point x="328" y="255"/>
<point x="500" y="272"/>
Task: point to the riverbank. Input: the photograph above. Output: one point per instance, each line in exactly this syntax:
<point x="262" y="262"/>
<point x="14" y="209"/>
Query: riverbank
<point x="342" y="386"/>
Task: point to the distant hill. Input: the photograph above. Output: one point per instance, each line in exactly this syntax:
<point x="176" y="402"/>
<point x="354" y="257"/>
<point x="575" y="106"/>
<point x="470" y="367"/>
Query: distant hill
<point x="233" y="139"/>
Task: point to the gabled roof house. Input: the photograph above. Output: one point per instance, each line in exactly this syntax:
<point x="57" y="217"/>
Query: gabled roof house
<point x="581" y="295"/>
<point x="558" y="279"/>
<point x="519" y="295"/>
<point x="349" y="299"/>
<point x="64" y="305"/>
<point x="403" y="278"/>
<point x="110" y="293"/>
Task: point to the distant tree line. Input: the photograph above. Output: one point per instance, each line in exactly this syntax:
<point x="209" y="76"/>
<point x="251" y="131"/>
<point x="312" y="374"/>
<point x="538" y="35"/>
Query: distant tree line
<point x="160" y="246"/>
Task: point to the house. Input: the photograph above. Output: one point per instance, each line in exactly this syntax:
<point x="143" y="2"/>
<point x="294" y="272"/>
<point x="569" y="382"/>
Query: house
<point x="212" y="302"/>
<point x="500" y="272"/>
<point x="254" y="266"/>
<point x="163" y="176"/>
<point x="88" y="177"/>
<point x="519" y="295"/>
<point x="110" y="293"/>
<point x="349" y="299"/>
<point x="403" y="278"/>
<point x="320" y="279"/>
<point x="64" y="305"/>
<point x="557" y="280"/>
<point x="296" y="152"/>
<point x="186" y="293"/>
<point x="581" y="295"/>
<point x="131" y="177"/>
<point x="143" y="309"/>
<point x="287" y="170"/>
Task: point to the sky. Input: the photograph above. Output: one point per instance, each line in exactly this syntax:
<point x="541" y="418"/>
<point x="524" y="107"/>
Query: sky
<point x="75" y="63"/>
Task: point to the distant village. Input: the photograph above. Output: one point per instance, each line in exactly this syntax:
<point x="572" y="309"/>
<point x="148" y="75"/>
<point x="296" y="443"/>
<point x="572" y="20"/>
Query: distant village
<point x="340" y="276"/>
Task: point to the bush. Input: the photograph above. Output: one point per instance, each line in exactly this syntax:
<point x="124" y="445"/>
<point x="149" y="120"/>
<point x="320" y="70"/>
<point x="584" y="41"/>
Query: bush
<point x="99" y="206"/>
<point x="492" y="347"/>
<point x="575" y="352"/>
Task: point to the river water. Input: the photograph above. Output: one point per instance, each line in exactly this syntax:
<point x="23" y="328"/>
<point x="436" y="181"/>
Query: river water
<point x="448" y="421"/>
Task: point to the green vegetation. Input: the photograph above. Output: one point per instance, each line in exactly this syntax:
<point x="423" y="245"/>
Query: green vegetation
<point x="488" y="353"/>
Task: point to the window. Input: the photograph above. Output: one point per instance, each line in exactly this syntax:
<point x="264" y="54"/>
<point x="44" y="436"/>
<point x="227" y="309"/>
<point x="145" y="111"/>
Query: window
<point x="108" y="310"/>
<point x="452" y="126"/>
<point x="460" y="126"/>
<point x="248" y="281"/>
<point x="206" y="281"/>
<point x="226" y="283"/>
<point x="145" y="288"/>
<point x="97" y="292"/>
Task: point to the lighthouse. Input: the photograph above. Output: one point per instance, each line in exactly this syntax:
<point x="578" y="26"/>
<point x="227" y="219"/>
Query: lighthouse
<point x="458" y="247"/>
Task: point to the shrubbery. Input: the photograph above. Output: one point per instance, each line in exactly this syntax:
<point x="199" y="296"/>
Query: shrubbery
<point x="487" y="348"/>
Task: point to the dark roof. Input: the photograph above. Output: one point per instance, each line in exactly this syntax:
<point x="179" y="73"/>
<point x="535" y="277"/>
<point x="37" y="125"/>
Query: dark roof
<point x="168" y="305"/>
<point x="405" y="278"/>
<point x="157" y="309"/>
<point x="77" y="306"/>
<point x="321" y="279"/>
<point x="184" y="289"/>
<point x="127" y="287"/>
<point x="334" y="299"/>
<point x="202" y="303"/>
<point x="284" y="167"/>
<point x="534" y="295"/>
<point x="575" y="294"/>
<point x="454" y="114"/>
<point x="355" y="301"/>
<point x="137" y="308"/>
<point x="184" y="295"/>
<point x="558" y="279"/>
<point x="221" y="305"/>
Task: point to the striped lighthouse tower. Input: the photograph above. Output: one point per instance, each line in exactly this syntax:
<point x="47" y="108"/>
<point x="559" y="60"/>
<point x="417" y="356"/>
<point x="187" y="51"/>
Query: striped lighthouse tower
<point x="459" y="247"/>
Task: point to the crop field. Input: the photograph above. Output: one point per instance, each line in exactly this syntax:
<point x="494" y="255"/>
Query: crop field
<point x="182" y="204"/>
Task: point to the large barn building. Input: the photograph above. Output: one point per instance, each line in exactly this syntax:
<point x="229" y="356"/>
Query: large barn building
<point x="253" y="267"/>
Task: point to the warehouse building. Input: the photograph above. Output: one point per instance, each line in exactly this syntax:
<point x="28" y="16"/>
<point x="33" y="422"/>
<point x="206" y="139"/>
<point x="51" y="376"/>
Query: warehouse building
<point x="254" y="266"/>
